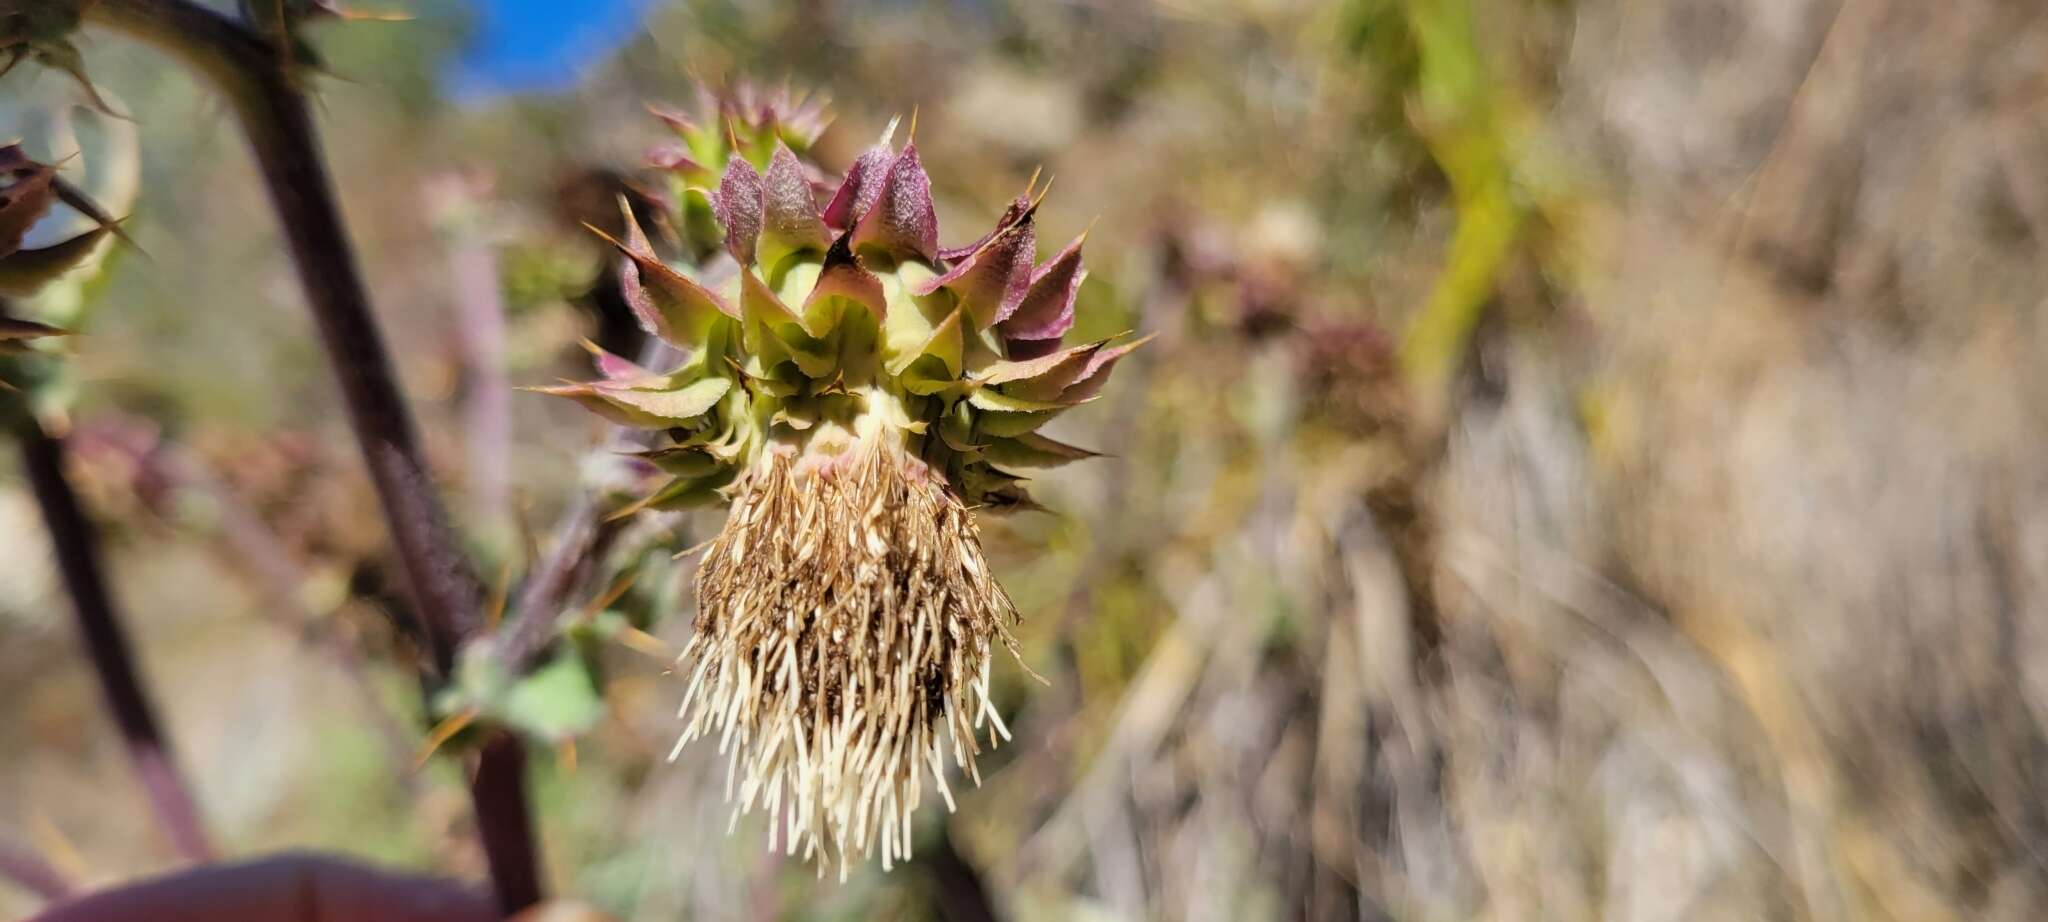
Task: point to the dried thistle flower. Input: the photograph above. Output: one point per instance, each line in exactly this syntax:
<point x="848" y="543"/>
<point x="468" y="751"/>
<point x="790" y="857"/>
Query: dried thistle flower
<point x="855" y="392"/>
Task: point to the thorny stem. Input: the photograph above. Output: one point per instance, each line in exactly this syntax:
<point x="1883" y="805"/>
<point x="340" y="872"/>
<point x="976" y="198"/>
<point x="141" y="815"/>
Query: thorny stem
<point x="581" y="536"/>
<point x="280" y="129"/>
<point x="78" y="558"/>
<point x="264" y="90"/>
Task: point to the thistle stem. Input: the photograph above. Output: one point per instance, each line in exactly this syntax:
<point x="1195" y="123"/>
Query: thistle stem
<point x="274" y="115"/>
<point x="497" y="787"/>
<point x="264" y="90"/>
<point x="106" y="643"/>
<point x="581" y="537"/>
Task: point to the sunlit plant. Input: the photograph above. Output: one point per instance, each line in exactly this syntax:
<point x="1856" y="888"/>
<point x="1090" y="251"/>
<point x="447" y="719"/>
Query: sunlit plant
<point x="855" y="391"/>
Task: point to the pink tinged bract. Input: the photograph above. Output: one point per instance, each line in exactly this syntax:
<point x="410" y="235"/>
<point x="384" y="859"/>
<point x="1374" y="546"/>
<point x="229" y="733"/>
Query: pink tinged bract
<point x="615" y="367"/>
<point x="667" y="303"/>
<point x="1011" y="215"/>
<point x="1092" y="378"/>
<point x="1047" y="311"/>
<point x="672" y="156"/>
<point x="738" y="207"/>
<point x="993" y="279"/>
<point x="858" y="191"/>
<point x="901" y="221"/>
<point x="791" y="213"/>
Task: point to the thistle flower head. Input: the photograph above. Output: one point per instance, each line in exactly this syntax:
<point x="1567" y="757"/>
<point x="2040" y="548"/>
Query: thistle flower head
<point x="855" y="391"/>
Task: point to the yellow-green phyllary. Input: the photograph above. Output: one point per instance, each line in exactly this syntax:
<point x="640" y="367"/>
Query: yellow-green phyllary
<point x="856" y="391"/>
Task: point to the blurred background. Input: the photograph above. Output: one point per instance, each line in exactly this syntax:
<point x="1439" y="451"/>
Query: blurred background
<point x="1590" y="466"/>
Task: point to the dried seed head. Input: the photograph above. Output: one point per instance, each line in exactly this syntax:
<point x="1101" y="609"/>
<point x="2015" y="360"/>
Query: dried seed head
<point x="845" y="624"/>
<point x="854" y="389"/>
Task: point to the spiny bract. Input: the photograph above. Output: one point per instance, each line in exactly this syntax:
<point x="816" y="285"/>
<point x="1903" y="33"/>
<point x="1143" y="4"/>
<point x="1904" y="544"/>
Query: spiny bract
<point x="854" y="390"/>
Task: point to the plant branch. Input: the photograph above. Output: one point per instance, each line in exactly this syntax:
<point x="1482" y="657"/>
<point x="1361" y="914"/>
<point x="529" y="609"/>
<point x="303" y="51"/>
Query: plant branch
<point x="497" y="786"/>
<point x="78" y="558"/>
<point x="263" y="87"/>
<point x="279" y="126"/>
<point x="583" y="534"/>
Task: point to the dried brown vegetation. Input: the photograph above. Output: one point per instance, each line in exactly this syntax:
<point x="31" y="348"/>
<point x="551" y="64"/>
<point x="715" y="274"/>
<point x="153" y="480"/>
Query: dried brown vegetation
<point x="846" y="619"/>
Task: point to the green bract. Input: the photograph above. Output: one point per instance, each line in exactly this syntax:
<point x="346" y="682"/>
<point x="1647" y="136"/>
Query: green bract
<point x="851" y="322"/>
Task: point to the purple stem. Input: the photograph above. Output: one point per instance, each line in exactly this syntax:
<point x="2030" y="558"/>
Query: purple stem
<point x="78" y="559"/>
<point x="498" y="788"/>
<point x="265" y="90"/>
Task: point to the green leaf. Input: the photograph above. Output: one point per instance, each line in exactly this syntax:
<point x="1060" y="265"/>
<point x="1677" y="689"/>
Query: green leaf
<point x="1033" y="450"/>
<point x="651" y="403"/>
<point x="683" y="493"/>
<point x="555" y="702"/>
<point x="682" y="460"/>
<point x="780" y="333"/>
<point x="927" y="375"/>
<point x="988" y="398"/>
<point x="1042" y="378"/>
<point x="1011" y="425"/>
<point x="956" y="428"/>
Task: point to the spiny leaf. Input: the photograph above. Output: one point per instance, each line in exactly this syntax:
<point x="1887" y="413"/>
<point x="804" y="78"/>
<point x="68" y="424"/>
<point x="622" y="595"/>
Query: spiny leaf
<point x="1044" y="377"/>
<point x="1011" y="216"/>
<point x="13" y="329"/>
<point x="678" y="405"/>
<point x="647" y="404"/>
<point x="988" y="398"/>
<point x="614" y="367"/>
<point x="682" y="460"/>
<point x="25" y="272"/>
<point x="674" y="308"/>
<point x="681" y="493"/>
<point x="61" y="55"/>
<point x="1034" y="450"/>
<point x="30" y="192"/>
<point x="76" y="198"/>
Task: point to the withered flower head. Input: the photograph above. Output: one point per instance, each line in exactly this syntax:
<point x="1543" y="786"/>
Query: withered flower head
<point x="855" y="393"/>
